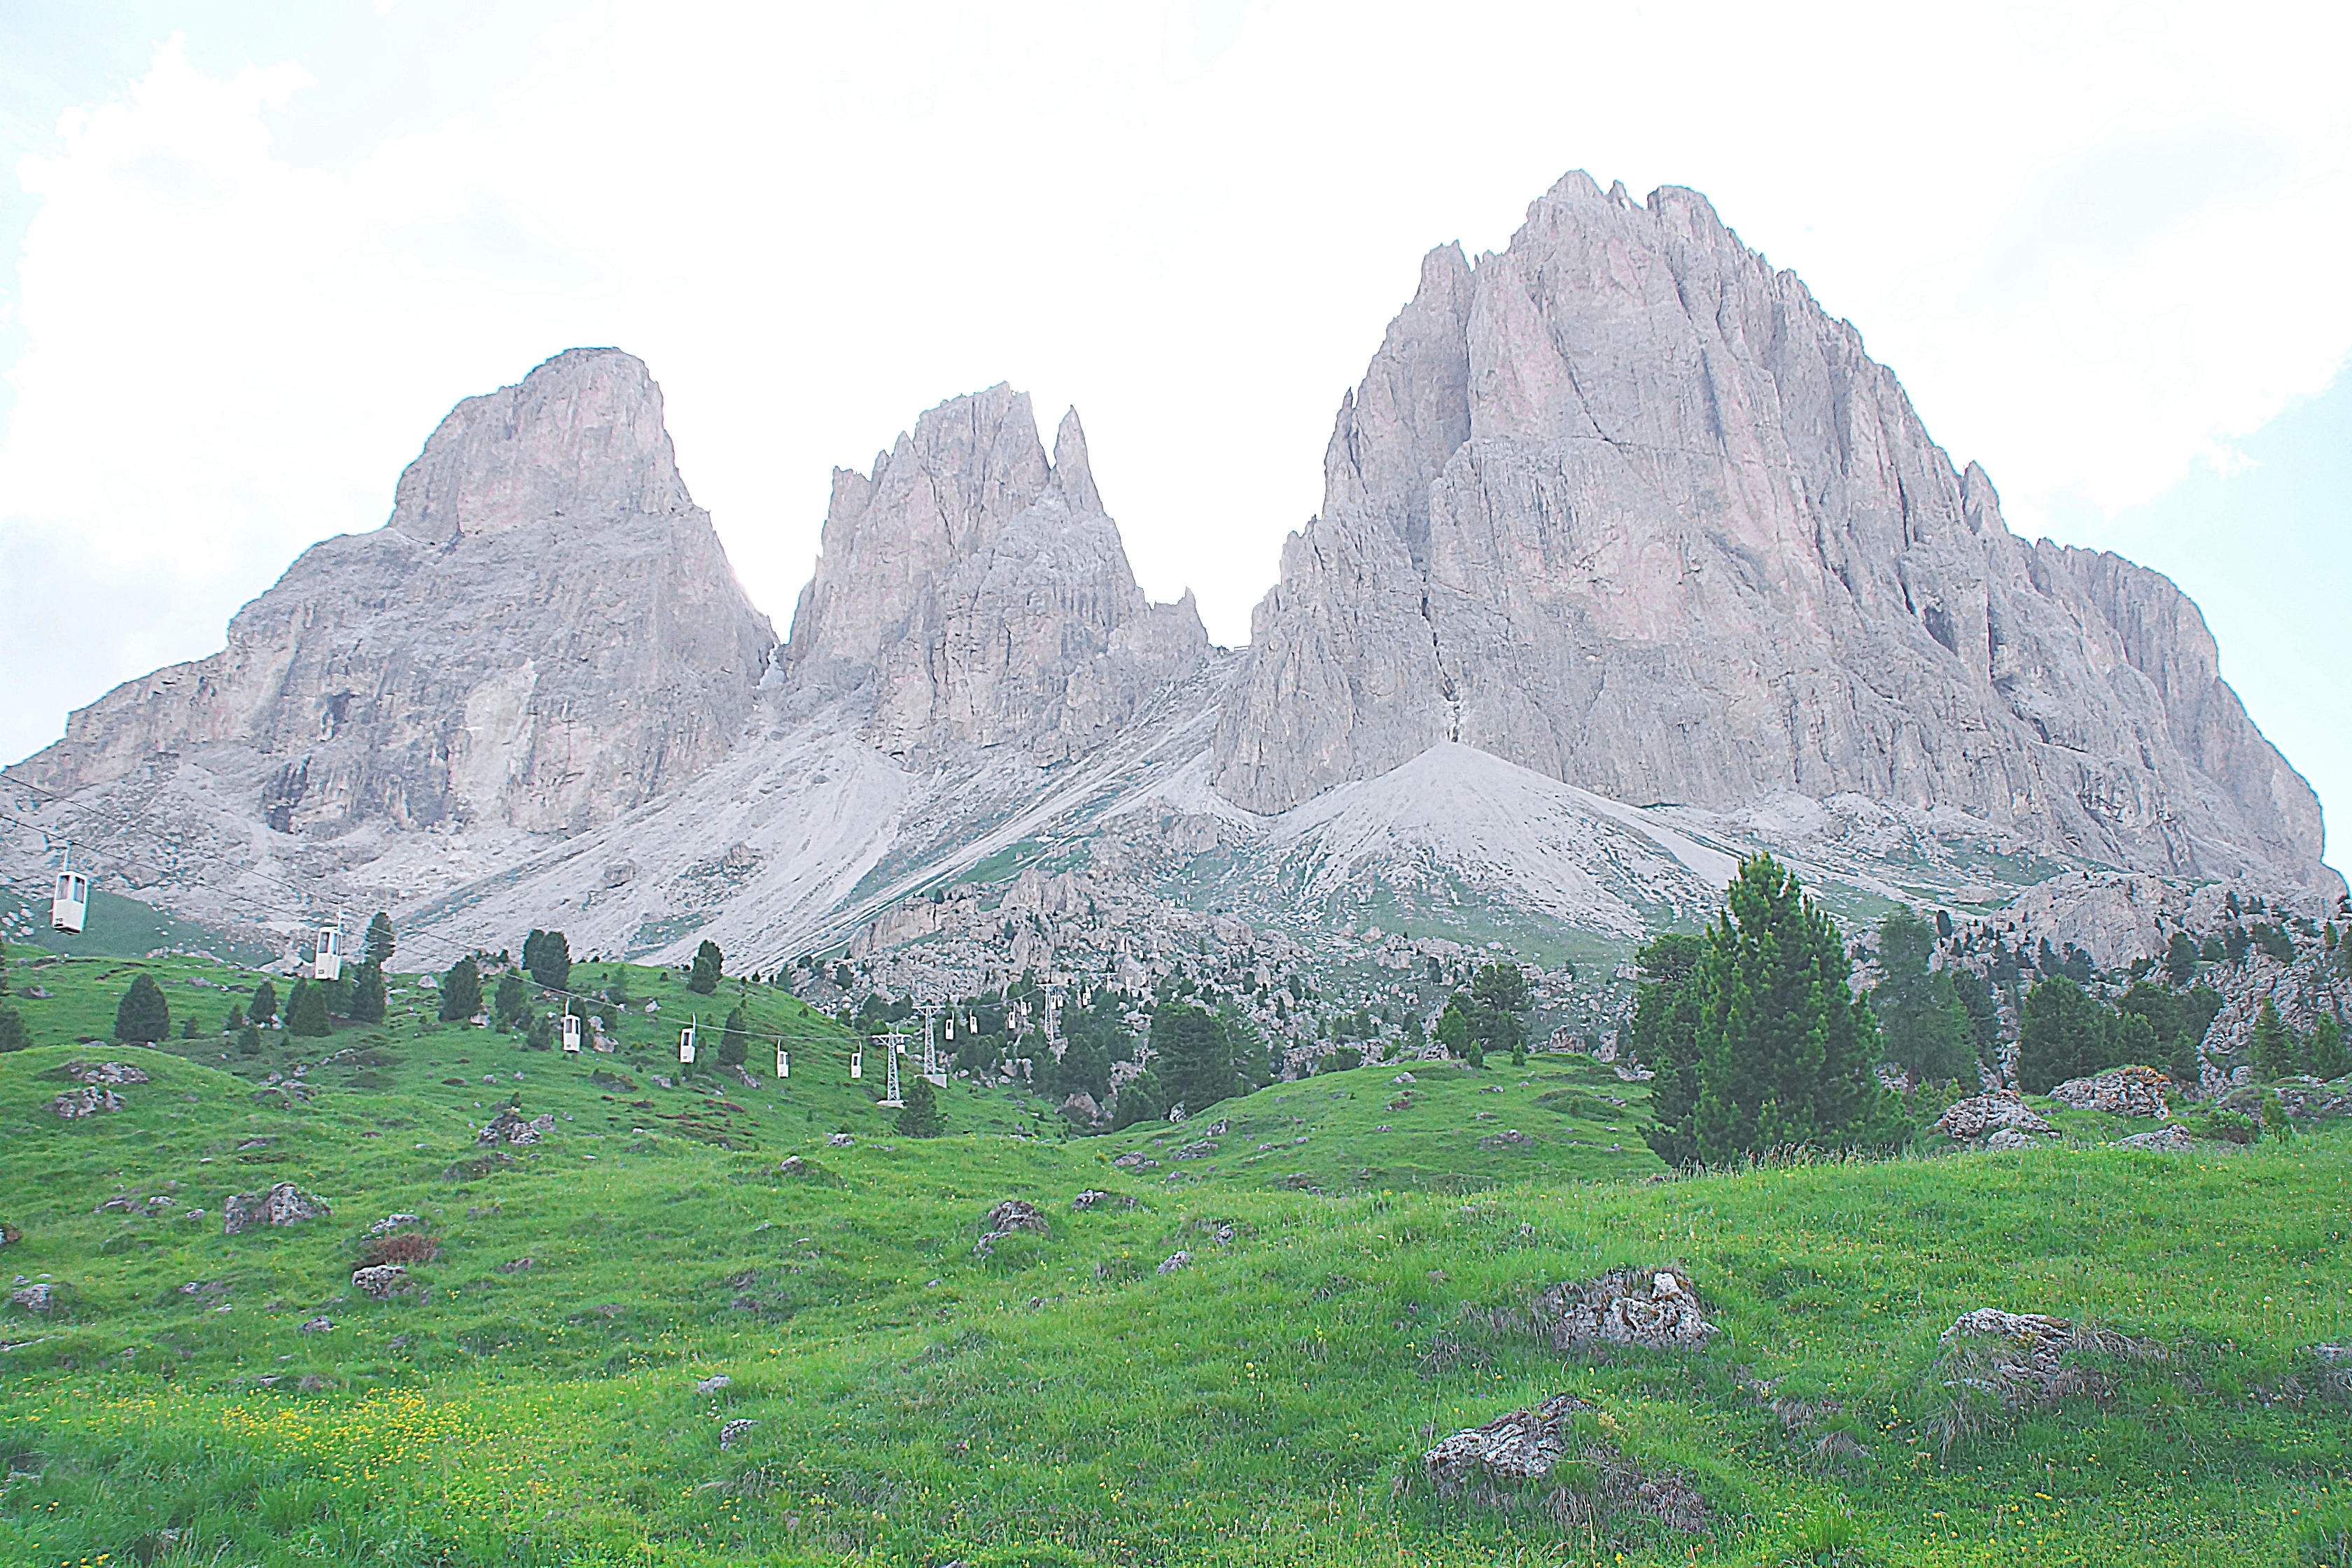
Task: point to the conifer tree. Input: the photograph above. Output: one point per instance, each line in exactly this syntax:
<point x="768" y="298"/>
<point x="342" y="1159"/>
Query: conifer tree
<point x="2324" y="1056"/>
<point x="2063" y="1033"/>
<point x="248" y="1041"/>
<point x="461" y="991"/>
<point x="1786" y="1051"/>
<point x="2275" y="1045"/>
<point x="547" y="955"/>
<point x="367" y="993"/>
<point x="734" y="1042"/>
<point x="13" y="1037"/>
<point x="2180" y="958"/>
<point x="377" y="945"/>
<point x="142" y="1017"/>
<point x="708" y="966"/>
<point x="1141" y="1099"/>
<point x="920" y="1117"/>
<point x="1924" y="1029"/>
<point x="306" y="1012"/>
<point x="513" y="999"/>
<point x="234" y="1021"/>
<point x="1664" y="1038"/>
<point x="1195" y="1059"/>
<point x="265" y="1003"/>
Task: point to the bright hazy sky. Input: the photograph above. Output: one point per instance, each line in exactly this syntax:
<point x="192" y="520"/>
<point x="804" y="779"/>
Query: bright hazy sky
<point x="250" y="254"/>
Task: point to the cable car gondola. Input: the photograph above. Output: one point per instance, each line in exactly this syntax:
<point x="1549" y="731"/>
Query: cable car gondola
<point x="69" y="905"/>
<point x="570" y="1033"/>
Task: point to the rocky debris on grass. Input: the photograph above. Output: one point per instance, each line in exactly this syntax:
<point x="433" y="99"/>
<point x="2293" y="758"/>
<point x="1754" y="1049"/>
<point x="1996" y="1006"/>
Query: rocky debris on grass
<point x="1174" y="1262"/>
<point x="392" y="1222"/>
<point x="2011" y="1137"/>
<point x="1135" y="1159"/>
<point x="93" y="1101"/>
<point x="9" y="1234"/>
<point x="1401" y="1102"/>
<point x="40" y="1298"/>
<point x="840" y="1140"/>
<point x="2171" y="1139"/>
<point x="2021" y="1359"/>
<point x="2331" y="1367"/>
<point x="2118" y="1091"/>
<point x="1006" y="1218"/>
<point x="284" y="1204"/>
<point x="712" y="1385"/>
<point x="318" y="1326"/>
<point x="1506" y="1463"/>
<point x="1655" y="1309"/>
<point x="1199" y="1150"/>
<point x="1970" y="1120"/>
<point x="1081" y="1109"/>
<point x="507" y="1126"/>
<point x="1505" y="1138"/>
<point x="1089" y="1198"/>
<point x="122" y="1204"/>
<point x="518" y="1265"/>
<point x="734" y="1432"/>
<point x="1404" y="1077"/>
<point x="793" y="1165"/>
<point x="106" y="1072"/>
<point x="377" y="1284"/>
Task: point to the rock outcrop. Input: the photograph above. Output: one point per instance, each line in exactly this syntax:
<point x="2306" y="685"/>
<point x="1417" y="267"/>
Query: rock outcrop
<point x="2119" y="1091"/>
<point x="1985" y="1115"/>
<point x="1653" y="1309"/>
<point x="1625" y="506"/>
<point x="979" y="595"/>
<point x="544" y="634"/>
<point x="282" y="1205"/>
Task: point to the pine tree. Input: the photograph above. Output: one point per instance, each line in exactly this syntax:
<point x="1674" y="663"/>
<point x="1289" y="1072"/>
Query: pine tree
<point x="707" y="967"/>
<point x="2063" y="1033"/>
<point x="3" y="960"/>
<point x="306" y="1012"/>
<point x="1924" y="1029"/>
<point x="461" y="991"/>
<point x="1786" y="1051"/>
<point x="1499" y="996"/>
<point x="13" y="1037"/>
<point x="550" y="962"/>
<point x="2276" y="1047"/>
<point x="2324" y="1056"/>
<point x="1664" y="1038"/>
<point x="1195" y="1059"/>
<point x="367" y="993"/>
<point x="376" y="946"/>
<point x="248" y="1041"/>
<point x="919" y="1117"/>
<point x="265" y="1003"/>
<point x="512" y="1000"/>
<point x="142" y="1017"/>
<point x="735" y="1040"/>
<point x="2180" y="958"/>
<point x="234" y="1021"/>
<point x="1141" y="1098"/>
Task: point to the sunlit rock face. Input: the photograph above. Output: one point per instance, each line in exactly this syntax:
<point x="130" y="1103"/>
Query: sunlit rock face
<point x="1623" y="505"/>
<point x="545" y="634"/>
<point x="978" y="593"/>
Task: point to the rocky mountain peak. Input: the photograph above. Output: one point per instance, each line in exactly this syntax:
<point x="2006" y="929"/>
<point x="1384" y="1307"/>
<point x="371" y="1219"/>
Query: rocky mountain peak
<point x="975" y="592"/>
<point x="546" y="633"/>
<point x="582" y="430"/>
<point x="1622" y="504"/>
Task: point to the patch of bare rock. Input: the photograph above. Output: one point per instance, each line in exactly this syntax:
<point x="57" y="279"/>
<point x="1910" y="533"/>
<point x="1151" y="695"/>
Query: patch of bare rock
<point x="2119" y="1091"/>
<point x="1997" y="1121"/>
<point x="1008" y="1218"/>
<point x="1507" y="1464"/>
<point x="282" y="1205"/>
<point x="1652" y="1308"/>
<point x="508" y="1127"/>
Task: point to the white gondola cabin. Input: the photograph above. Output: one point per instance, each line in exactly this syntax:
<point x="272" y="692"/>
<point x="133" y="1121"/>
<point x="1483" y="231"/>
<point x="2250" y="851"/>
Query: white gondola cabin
<point x="685" y="1046"/>
<point x="857" y="1064"/>
<point x="70" y="904"/>
<point x="783" y="1063"/>
<point x="570" y="1033"/>
<point x="327" y="955"/>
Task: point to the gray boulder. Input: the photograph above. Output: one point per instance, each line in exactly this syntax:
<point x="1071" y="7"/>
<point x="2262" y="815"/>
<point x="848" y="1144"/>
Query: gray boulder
<point x="282" y="1205"/>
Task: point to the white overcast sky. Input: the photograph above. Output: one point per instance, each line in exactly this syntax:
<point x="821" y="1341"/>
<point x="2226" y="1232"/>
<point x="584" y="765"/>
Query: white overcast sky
<point x="250" y="254"/>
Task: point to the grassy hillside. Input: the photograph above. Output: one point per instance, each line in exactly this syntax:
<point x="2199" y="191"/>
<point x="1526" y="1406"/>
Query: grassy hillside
<point x="532" y="1398"/>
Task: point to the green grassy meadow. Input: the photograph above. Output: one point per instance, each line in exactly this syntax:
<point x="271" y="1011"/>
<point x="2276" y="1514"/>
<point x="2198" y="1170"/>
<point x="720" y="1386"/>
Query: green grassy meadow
<point x="1061" y="1400"/>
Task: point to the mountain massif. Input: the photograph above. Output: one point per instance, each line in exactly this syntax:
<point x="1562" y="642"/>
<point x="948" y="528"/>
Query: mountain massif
<point x="1630" y="561"/>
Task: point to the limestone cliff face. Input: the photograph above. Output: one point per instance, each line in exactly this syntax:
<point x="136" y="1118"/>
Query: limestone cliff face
<point x="1625" y="506"/>
<point x="979" y="594"/>
<point x="545" y="633"/>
